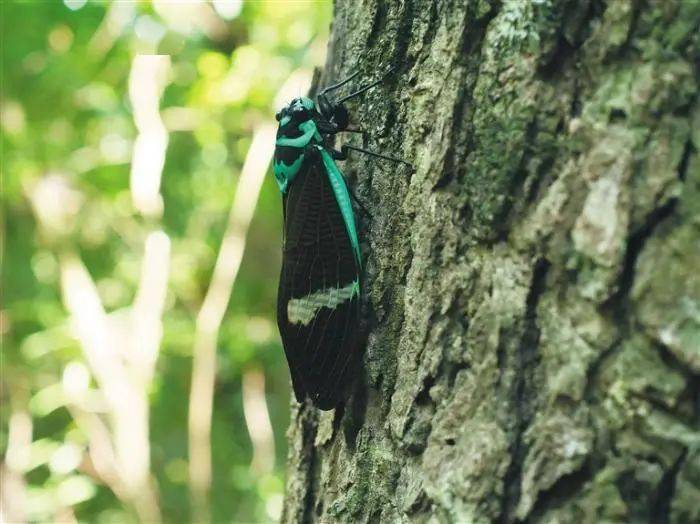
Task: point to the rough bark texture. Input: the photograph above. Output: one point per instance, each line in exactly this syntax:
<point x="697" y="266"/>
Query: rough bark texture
<point x="534" y="343"/>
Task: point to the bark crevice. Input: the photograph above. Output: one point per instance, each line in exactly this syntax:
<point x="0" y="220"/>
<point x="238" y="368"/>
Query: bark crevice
<point x="660" y="504"/>
<point x="524" y="391"/>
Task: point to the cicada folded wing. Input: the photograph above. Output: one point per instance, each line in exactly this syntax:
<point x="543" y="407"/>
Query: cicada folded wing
<point x="318" y="304"/>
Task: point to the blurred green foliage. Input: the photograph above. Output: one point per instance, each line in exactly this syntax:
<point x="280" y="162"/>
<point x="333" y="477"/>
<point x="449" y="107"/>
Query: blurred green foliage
<point x="66" y="112"/>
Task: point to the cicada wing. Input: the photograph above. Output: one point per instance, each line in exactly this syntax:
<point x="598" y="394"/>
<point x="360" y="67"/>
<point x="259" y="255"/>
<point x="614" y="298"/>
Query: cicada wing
<point x="318" y="302"/>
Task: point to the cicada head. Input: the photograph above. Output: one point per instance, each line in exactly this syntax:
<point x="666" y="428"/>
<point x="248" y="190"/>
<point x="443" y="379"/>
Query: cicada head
<point x="297" y="111"/>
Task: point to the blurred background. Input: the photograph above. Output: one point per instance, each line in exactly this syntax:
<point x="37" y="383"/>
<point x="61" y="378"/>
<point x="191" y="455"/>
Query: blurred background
<point x="142" y="373"/>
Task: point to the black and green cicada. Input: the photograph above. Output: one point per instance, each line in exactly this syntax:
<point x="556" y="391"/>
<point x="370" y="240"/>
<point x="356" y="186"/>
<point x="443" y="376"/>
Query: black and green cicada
<point x="318" y="302"/>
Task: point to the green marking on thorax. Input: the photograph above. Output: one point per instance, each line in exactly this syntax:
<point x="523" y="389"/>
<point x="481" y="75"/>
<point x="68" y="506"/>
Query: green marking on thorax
<point x="310" y="131"/>
<point x="284" y="174"/>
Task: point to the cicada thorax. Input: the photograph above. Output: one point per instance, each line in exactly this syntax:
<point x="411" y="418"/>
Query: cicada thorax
<point x="297" y="131"/>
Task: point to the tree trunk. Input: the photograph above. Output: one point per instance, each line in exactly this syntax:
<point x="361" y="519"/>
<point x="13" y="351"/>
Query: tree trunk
<point x="533" y="290"/>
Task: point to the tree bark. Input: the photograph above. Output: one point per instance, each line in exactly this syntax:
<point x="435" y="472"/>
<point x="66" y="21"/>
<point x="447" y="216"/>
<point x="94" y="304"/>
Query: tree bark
<point x="533" y="291"/>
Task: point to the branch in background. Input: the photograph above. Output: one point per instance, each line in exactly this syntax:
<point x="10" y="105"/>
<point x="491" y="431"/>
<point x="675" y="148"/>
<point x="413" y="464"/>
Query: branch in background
<point x="141" y="352"/>
<point x="257" y="418"/>
<point x="147" y="80"/>
<point x="12" y="485"/>
<point x="100" y="450"/>
<point x="122" y="355"/>
<point x="191" y="18"/>
<point x="118" y="16"/>
<point x="126" y="395"/>
<point x="212" y="312"/>
<point x="93" y="330"/>
<point x="147" y="310"/>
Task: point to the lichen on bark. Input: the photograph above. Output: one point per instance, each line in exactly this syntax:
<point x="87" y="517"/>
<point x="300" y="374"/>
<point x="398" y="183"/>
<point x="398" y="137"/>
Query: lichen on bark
<point x="533" y="299"/>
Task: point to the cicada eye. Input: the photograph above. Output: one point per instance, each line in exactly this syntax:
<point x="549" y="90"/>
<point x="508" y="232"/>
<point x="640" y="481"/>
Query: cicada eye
<point x="278" y="116"/>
